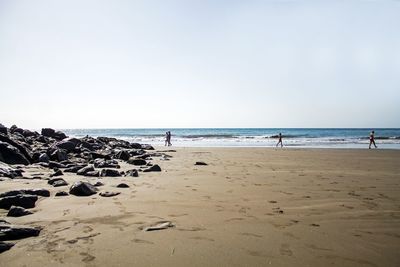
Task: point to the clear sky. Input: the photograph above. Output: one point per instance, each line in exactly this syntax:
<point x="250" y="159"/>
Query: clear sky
<point x="130" y="64"/>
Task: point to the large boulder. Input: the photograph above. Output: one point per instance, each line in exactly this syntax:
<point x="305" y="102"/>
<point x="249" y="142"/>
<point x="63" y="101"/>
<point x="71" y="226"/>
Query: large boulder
<point x="82" y="189"/>
<point x="54" y="134"/>
<point x="3" y="129"/>
<point x="56" y="182"/>
<point x="25" y="201"/>
<point x="66" y="145"/>
<point x="85" y="170"/>
<point x="5" y="246"/>
<point x="154" y="168"/>
<point x="8" y="232"/>
<point x="22" y="148"/>
<point x="16" y="211"/>
<point x="59" y="155"/>
<point x="11" y="155"/>
<point x="8" y="171"/>
<point x="43" y="158"/>
<point x="132" y="173"/>
<point x="123" y="155"/>
<point x="110" y="173"/>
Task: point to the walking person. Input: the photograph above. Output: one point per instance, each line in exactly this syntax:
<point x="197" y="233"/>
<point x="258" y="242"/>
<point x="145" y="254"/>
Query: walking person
<point x="372" y="139"/>
<point x="280" y="140"/>
<point x="166" y="139"/>
<point x="169" y="138"/>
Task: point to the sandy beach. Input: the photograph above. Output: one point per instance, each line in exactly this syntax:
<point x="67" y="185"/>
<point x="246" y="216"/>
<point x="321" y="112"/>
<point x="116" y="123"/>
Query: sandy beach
<point x="247" y="207"/>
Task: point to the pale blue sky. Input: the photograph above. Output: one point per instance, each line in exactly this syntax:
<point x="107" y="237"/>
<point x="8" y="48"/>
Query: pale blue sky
<point x="107" y="64"/>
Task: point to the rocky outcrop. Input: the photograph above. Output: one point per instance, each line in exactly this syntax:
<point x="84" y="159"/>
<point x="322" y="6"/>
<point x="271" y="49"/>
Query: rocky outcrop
<point x="110" y="173"/>
<point x="154" y="168"/>
<point x="8" y="232"/>
<point x="16" y="211"/>
<point x="137" y="162"/>
<point x="11" y="155"/>
<point x="22" y="200"/>
<point x="82" y="189"/>
<point x="48" y="132"/>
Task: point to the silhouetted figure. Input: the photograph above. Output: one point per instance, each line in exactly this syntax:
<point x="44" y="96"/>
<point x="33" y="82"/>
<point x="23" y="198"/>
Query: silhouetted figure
<point x="166" y="138"/>
<point x="169" y="138"/>
<point x="372" y="139"/>
<point x="280" y="140"/>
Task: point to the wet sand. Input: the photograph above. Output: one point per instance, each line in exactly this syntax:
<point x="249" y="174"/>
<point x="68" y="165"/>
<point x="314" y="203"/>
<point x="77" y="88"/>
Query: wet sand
<point x="247" y="207"/>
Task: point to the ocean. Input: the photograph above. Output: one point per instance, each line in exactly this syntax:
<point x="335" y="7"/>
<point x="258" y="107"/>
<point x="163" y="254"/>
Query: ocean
<point x="252" y="137"/>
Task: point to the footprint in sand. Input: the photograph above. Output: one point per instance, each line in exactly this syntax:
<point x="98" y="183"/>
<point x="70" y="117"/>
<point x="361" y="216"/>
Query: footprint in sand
<point x="234" y="219"/>
<point x="192" y="229"/>
<point x="177" y="215"/>
<point x="202" y="238"/>
<point x="251" y="234"/>
<point x="66" y="212"/>
<point x="87" y="257"/>
<point x="285" y="250"/>
<point x="142" y="241"/>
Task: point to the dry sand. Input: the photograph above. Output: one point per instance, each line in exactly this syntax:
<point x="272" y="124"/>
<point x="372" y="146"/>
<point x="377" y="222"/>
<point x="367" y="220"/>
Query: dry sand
<point x="248" y="207"/>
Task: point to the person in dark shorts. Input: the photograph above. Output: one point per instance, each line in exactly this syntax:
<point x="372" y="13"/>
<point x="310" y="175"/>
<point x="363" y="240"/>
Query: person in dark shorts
<point x="280" y="140"/>
<point x="166" y="138"/>
<point x="372" y="139"/>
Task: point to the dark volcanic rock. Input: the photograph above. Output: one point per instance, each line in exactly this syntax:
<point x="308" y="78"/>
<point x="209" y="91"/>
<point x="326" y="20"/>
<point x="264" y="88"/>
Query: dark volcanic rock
<point x="82" y="189"/>
<point x="56" y="182"/>
<point x="110" y="173"/>
<point x="136" y="146"/>
<point x="37" y="192"/>
<point x="123" y="155"/>
<point x="147" y="147"/>
<point x="109" y="194"/>
<point x="122" y="185"/>
<point x="74" y="169"/>
<point x="67" y="145"/>
<point x="59" y="155"/>
<point x="15" y="232"/>
<point x="154" y="168"/>
<point x="48" y="132"/>
<point x="3" y="129"/>
<point x="102" y="163"/>
<point x="54" y="134"/>
<point x="61" y="194"/>
<point x="132" y="173"/>
<point x="16" y="211"/>
<point x="137" y="162"/>
<point x="96" y="155"/>
<point x="7" y="171"/>
<point x="5" y="246"/>
<point x="57" y="172"/>
<point x="200" y="163"/>
<point x="43" y="158"/>
<point x="11" y="155"/>
<point x="22" y="149"/>
<point x="25" y="201"/>
<point x="85" y="170"/>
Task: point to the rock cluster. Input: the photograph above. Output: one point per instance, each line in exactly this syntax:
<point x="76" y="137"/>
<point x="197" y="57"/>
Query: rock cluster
<point x="87" y="156"/>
